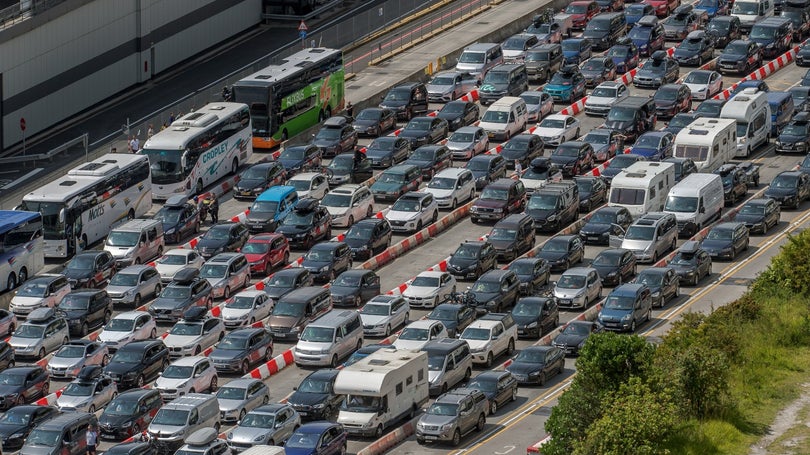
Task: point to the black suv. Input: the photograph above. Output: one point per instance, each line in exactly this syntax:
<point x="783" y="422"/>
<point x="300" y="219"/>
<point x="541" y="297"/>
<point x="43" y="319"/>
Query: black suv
<point x="739" y="56"/>
<point x="774" y="35"/>
<point x="137" y="362"/>
<point x="179" y="218"/>
<point x="486" y="169"/>
<point x="222" y="237"/>
<point x="632" y="116"/>
<point x="91" y="269"/>
<point x="368" y="237"/>
<point x="16" y="424"/>
<point x="471" y="259"/>
<point x="315" y="398"/>
<point x="86" y="309"/>
<point x="327" y="260"/>
<point x="512" y="236"/>
<point x="307" y="223"/>
<point x="561" y="251"/>
<point x="287" y="280"/>
<point x="495" y="290"/>
<point x="789" y="188"/>
<point x="407" y="100"/>
<point x="336" y="136"/>
<point x="535" y="316"/>
<point x="129" y="413"/>
<point x="20" y="385"/>
<point x="532" y="273"/>
<point x="543" y="60"/>
<point x="186" y="290"/>
<point x="696" y="49"/>
<point x="691" y="263"/>
<point x="498" y="200"/>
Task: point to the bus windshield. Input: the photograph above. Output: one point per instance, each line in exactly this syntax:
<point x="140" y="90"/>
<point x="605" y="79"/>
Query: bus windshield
<point x="166" y="166"/>
<point x="51" y="226"/>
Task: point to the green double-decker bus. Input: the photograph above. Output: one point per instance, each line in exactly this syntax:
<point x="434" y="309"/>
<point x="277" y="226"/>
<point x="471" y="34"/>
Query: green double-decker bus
<point x="285" y="99"/>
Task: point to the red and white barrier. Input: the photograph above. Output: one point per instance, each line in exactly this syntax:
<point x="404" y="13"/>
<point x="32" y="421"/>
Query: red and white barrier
<point x="272" y="367"/>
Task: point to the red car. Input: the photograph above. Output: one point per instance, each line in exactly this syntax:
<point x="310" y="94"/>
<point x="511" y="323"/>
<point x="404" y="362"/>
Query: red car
<point x="581" y="12"/>
<point x="663" y="7"/>
<point x="266" y="251"/>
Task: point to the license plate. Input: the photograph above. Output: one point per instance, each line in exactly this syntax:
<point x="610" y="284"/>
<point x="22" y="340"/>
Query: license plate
<point x="245" y="193"/>
<point x="490" y="134"/>
<point x="520" y="331"/>
<point x="566" y="301"/>
<point x="593" y="237"/>
<point x="430" y="438"/>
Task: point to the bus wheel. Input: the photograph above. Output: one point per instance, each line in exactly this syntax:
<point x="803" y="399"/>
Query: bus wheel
<point x="23" y="275"/>
<point x="284" y="136"/>
<point x="131" y="214"/>
<point x="12" y="281"/>
<point x="234" y="166"/>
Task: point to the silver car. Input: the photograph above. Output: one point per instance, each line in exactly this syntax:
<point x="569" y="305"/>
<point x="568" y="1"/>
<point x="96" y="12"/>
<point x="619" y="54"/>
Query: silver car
<point x="449" y="85"/>
<point x="538" y="104"/>
<point x="467" y="142"/>
<point x="43" y="332"/>
<point x="87" y="395"/>
<point x="271" y="424"/>
<point x="241" y="396"/>
<point x="226" y="272"/>
<point x="192" y="336"/>
<point x="578" y="287"/>
<point x="132" y="284"/>
<point x="245" y="308"/>
<point x="383" y="313"/>
<point x="8" y="322"/>
<point x="71" y="357"/>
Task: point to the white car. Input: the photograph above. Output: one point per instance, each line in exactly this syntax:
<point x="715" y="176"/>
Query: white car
<point x="187" y="375"/>
<point x="43" y="291"/>
<point x="557" y="128"/>
<point x="192" y="336"/>
<point x="245" y="308"/>
<point x="538" y="104"/>
<point x="383" y="313"/>
<point x="451" y="187"/>
<point x="309" y="184"/>
<point x="604" y="96"/>
<point x="540" y="173"/>
<point x="126" y="327"/>
<point x="578" y="287"/>
<point x="87" y="395"/>
<point x="348" y="203"/>
<point x="176" y="259"/>
<point x="413" y="211"/>
<point x="418" y="333"/>
<point x="468" y="141"/>
<point x="704" y="84"/>
<point x="429" y="289"/>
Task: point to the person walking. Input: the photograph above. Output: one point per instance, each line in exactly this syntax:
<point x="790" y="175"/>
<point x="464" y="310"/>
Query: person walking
<point x="518" y="168"/>
<point x="150" y="132"/>
<point x="134" y="145"/>
<point x="91" y="439"/>
<point x="213" y="207"/>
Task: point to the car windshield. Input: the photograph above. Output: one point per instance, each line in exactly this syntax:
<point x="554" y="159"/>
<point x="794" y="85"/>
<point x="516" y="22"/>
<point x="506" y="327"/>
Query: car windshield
<point x="398" y="94"/>
<point x="171" y="417"/>
<point x="124" y="279"/>
<point x="176" y="292"/>
<point x="82" y="263"/>
<point x="763" y="33"/>
<point x="241" y="302"/>
<point x="536" y="173"/>
<point x="40" y="437"/>
<point x="605" y="92"/>
<point x="607" y="259"/>
<point x="232" y="393"/>
<point x="296" y="218"/>
<point x="500" y="233"/>
<point x="522" y="268"/>
<point x="443" y="409"/>
<point x="281" y="281"/>
<point x="283" y="308"/>
<point x="75" y="302"/>
<point x="465" y="251"/>
<point x="337" y="200"/>
<point x="736" y="48"/>
<point x="258" y="420"/>
<point x="449" y="108"/>
<point x="719" y="26"/>
<point x="796" y="129"/>
<point x="571" y="281"/>
<point x="640" y="33"/>
<point x="576" y="8"/>
<point x="79" y="389"/>
<point x="255" y="173"/>
<point x="12" y="379"/>
<point x="531" y="100"/>
<point x="214" y="270"/>
<point x="118" y="238"/>
<point x="584" y="185"/>
<point x="70" y="352"/>
<point x="720" y="234"/>
<point x="293" y="153"/>
<point x="677" y="19"/>
<point x="497" y="194"/>
<point x="799" y="94"/>
<point x="514" y="44"/>
<point x="411" y="333"/>
<point x="753" y="209"/>
<point x="359" y="232"/>
<point x="369" y="114"/>
<point x="627" y="196"/>
<point x="122" y="407"/>
<point x="374" y="309"/>
<point x="343" y="163"/>
<point x="542" y="202"/>
<point x="462" y="136"/>
<point x="496" y="77"/>
<point x="603" y="217"/>
<point x="442" y="183"/>
<point x="16" y="416"/>
<point x="651" y="279"/>
<point x="594" y="65"/>
<point x="570" y="150"/>
<point x="517" y="144"/>
<point x="526" y="309"/>
<point x="560" y="78"/>
<point x="347" y="280"/>
<point x="619" y="51"/>
<point x="477" y="165"/>
<point x="665" y="94"/>
<point x="426" y="281"/>
<point x="784" y="181"/>
<point x="486" y="286"/>
<point x="32" y="289"/>
<point x="311" y="385"/>
<point x="224" y="232"/>
<point x="319" y="255"/>
<point x="256" y="248"/>
<point x="472" y="333"/>
<point x="29" y="331"/>
<point x="443" y="314"/>
<point x="637" y="232"/>
<point x="178" y="372"/>
<point x="572" y="45"/>
<point x="531" y="356"/>
<point x="556" y="246"/>
<point x="186" y="329"/>
<point x="419" y="124"/>
<point x="680" y="121"/>
<point x="436" y="363"/>
<point x="390" y="177"/>
<point x="614" y="302"/>
<point x="576" y="329"/>
<point x="635" y="9"/>
<point x="621" y="114"/>
<point x="692" y="45"/>
<point x="173" y="259"/>
<point x="682" y="204"/>
<point x="684" y="259"/>
<point x="233" y="343"/>
<point x="169" y="215"/>
<point x="406" y="205"/>
<point x="256" y="207"/>
<point x="123" y="356"/>
<point x="300" y="184"/>
<point x="120" y="325"/>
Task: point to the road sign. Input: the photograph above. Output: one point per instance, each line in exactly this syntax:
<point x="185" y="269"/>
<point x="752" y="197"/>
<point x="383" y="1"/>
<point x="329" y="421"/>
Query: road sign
<point x="302" y="34"/>
<point x="302" y="27"/>
<point x="22" y="123"/>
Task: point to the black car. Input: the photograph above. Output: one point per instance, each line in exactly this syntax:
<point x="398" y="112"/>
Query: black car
<point x="680" y="121"/>
<point x="222" y="237"/>
<point x="726" y="240"/>
<point x="615" y="266"/>
<point x="129" y="414"/>
<point x="664" y="284"/>
<point x="6" y="355"/>
<point x="486" y="169"/>
<point x="671" y="99"/>
<point x="297" y="157"/>
<point x="537" y="364"/>
<point x="574" y="158"/>
<point x="17" y="423"/>
<point x="759" y="215"/>
<point x="327" y="260"/>
<point x="682" y="21"/>
<point x="286" y="280"/>
<point x="495" y="290"/>
<point x="354" y="287"/>
<point x="739" y="56"/>
<point x="368" y="237"/>
<point x="179" y="218"/>
<point x="500" y="387"/>
<point x="257" y="178"/>
<point x="373" y="121"/>
<point x="387" y="151"/>
<point x="683" y="166"/>
<point x="620" y="163"/>
<point x="186" y="290"/>
<point x="603" y="223"/>
<point x="431" y="159"/>
<point x="315" y="397"/>
<point x="795" y="138"/>
<point x="597" y="70"/>
<point x="561" y="251"/>
<point x="575" y="334"/>
<point x="459" y="113"/>
<point x="471" y="259"/>
<point x="789" y="188"/>
<point x="724" y="29"/>
<point x="336" y="136"/>
<point x="85" y="309"/>
<point x="425" y="130"/>
<point x="801" y="96"/>
<point x="696" y="49"/>
<point x="90" y="269"/>
<point x="349" y="168"/>
<point x="306" y="224"/>
<point x="691" y="263"/>
<point x="149" y="447"/>
<point x="532" y="273"/>
<point x="660" y="69"/>
<point x="523" y="148"/>
<point x="592" y="192"/>
<point x="21" y="385"/>
<point x="455" y="317"/>
<point x="535" y="316"/>
<point x="137" y="362"/>
<point x="241" y="349"/>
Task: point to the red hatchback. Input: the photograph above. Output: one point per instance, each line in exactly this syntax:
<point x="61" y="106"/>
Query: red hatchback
<point x="581" y="12"/>
<point x="663" y="7"/>
<point x="264" y="252"/>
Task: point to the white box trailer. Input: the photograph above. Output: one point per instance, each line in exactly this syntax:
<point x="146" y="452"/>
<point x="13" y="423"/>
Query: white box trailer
<point x="382" y="389"/>
<point x="709" y="142"/>
<point x="752" y="113"/>
<point x="642" y="187"/>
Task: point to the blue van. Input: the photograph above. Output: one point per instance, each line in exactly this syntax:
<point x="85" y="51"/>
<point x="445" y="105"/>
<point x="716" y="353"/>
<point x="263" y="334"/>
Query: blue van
<point x="270" y="208"/>
<point x="626" y="307"/>
<point x="782" y="110"/>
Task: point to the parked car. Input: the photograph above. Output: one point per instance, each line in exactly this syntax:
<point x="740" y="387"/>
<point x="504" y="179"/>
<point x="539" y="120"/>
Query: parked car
<point x="354" y="287"/>
<point x="664" y="284"/>
<point x="308" y="223"/>
<point x="537" y="364"/>
<point x="606" y="143"/>
<point x="327" y="260"/>
<point x="602" y="224"/>
<point x="696" y="49"/>
<point x="85" y="309"/>
<point x="240" y="396"/>
<point x="453" y="415"/>
<point x="459" y="113"/>
<point x="455" y="317"/>
<point x="568" y="84"/>
<point x="30" y="339"/>
<point x="90" y="269"/>
<point x="573" y="337"/>
<point x="348" y="203"/>
<point x="134" y="283"/>
<point x="522" y="148"/>
<point x="625" y="55"/>
<point x="578" y="286"/>
<point x="592" y="192"/>
<point x="538" y="104"/>
<point x="336" y="136"/>
<point x="69" y="360"/>
<point x="431" y="159"/>
<point x="535" y="316"/>
<point x="573" y="158"/>
<point x="382" y="313"/>
<point x="88" y="392"/>
<point x="175" y="260"/>
<point x="412" y="211"/>
<point x="500" y="387"/>
<point x="451" y="187"/>
<point x="789" y="188"/>
<point x="691" y="263"/>
<point x="368" y="237"/>
<point x="625" y="307"/>
<point x="188" y="289"/>
<point x="759" y="215"/>
<point x="16" y="424"/>
<point x="325" y="438"/>
<point x="430" y="288"/>
<point x="680" y="121"/>
<point x="373" y="121"/>
<point x="128" y="414"/>
<point x="221" y="238"/>
<point x="269" y="424"/>
<point x="241" y="349"/>
<point x="449" y="85"/>
<point x="286" y="280"/>
<point x="615" y="266"/>
<point x="297" y="158"/>
<point x="726" y="240"/>
<point x="468" y="141"/>
<point x="557" y="128"/>
<point x="532" y="273"/>
<point x="265" y="252"/>
<point x="671" y="99"/>
<point x="796" y="135"/>
<point x="257" y="178"/>
<point x="425" y="130"/>
<point x="187" y="375"/>
<point x="597" y="70"/>
<point x="739" y="56"/>
<point x="314" y="398"/>
<point x="21" y="385"/>
<point x="194" y="333"/>
<point x="227" y="273"/>
<point x="245" y="308"/>
<point x="386" y="151"/>
<point x="561" y="251"/>
<point x="494" y="291"/>
<point x="683" y="166"/>
<point x="137" y="362"/>
<point x="42" y="291"/>
<point x="654" y="145"/>
<point x="471" y="259"/>
<point x="309" y="184"/>
<point x="396" y="181"/>
<point x="486" y="169"/>
<point x="658" y="70"/>
<point x="180" y="217"/>
<point x="349" y="168"/>
<point x="126" y="327"/>
<point x="724" y="29"/>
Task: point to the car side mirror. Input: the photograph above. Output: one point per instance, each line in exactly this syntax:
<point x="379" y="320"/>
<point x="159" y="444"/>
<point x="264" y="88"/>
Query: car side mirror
<point x="702" y="210"/>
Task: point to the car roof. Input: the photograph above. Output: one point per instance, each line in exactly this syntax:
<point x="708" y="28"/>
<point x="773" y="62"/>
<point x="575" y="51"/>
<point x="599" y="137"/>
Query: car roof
<point x="579" y="271"/>
<point x="327" y="245"/>
<point x="316" y="427"/>
<point x="728" y="226"/>
<point x="180" y="252"/>
<point x="135" y="268"/>
<point x="347" y="188"/>
<point x="432" y="273"/>
<point x="242" y="383"/>
<point x="452" y="172"/>
<point x="558" y="116"/>
<point x="613" y="252"/>
<point x="271" y="408"/>
<point x="189" y="361"/>
<point x="654" y="271"/>
<point x="466" y="129"/>
<point x="245" y="332"/>
<point x="19" y="371"/>
<point x="356" y="272"/>
<point x="293" y="271"/>
<point x="139" y="345"/>
<point x="305" y="175"/>
<point x="423" y="323"/>
<point x="324" y="373"/>
<point x="628" y="289"/>
<point x="265" y="237"/>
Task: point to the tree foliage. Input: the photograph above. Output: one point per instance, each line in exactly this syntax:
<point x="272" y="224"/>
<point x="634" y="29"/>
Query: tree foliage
<point x="790" y="269"/>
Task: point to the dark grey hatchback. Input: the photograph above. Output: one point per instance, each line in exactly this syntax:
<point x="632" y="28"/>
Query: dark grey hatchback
<point x="241" y="349"/>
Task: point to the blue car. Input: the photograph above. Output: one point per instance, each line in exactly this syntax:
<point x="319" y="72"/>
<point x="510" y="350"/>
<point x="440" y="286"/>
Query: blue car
<point x="654" y="145"/>
<point x="625" y="55"/>
<point x="636" y="11"/>
<point x="626" y="307"/>
<point x="566" y="85"/>
<point x="576" y="50"/>
<point x="713" y="7"/>
<point x="321" y="438"/>
<point x="648" y="35"/>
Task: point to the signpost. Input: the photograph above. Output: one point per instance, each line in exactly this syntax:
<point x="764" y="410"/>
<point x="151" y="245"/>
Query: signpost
<point x="22" y="128"/>
<point x="302" y="32"/>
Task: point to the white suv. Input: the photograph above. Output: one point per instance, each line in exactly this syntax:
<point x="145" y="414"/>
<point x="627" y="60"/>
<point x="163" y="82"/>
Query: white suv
<point x="412" y="211"/>
<point x="452" y="187"/>
<point x="187" y="375"/>
<point x="348" y="203"/>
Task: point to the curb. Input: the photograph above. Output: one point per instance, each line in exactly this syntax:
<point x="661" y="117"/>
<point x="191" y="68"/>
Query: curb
<point x="391" y="439"/>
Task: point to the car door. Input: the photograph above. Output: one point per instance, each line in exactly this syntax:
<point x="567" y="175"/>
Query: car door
<point x="370" y="286"/>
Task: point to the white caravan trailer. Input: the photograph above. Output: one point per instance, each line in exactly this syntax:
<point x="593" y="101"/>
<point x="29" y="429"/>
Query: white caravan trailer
<point x="642" y="187"/>
<point x="709" y="142"/>
<point x="751" y="111"/>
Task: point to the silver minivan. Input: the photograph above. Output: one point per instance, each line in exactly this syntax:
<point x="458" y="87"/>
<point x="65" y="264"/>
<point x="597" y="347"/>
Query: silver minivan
<point x="329" y="338"/>
<point x="651" y="236"/>
<point x="135" y="242"/>
<point x="478" y="58"/>
<point x="449" y="362"/>
<point x="176" y="421"/>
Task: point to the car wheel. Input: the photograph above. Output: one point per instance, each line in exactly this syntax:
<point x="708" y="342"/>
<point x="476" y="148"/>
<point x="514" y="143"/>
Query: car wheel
<point x="91" y="409"/>
<point x="84" y="330"/>
<point x="493" y="407"/>
<point x="649" y="315"/>
<point x="514" y="394"/>
<point x="105" y="360"/>
<point x="21" y="400"/>
<point x="633" y="326"/>
<point x="245" y="367"/>
<point x="370" y="211"/>
<point x="378" y="432"/>
<point x="489" y="359"/>
<point x="541" y="379"/>
<point x="242" y="414"/>
<point x="358" y="301"/>
<point x="212" y="387"/>
<point x="351" y="220"/>
<point x="467" y="374"/>
<point x="11" y="328"/>
<point x="510" y="348"/>
<point x="419" y="226"/>
<point x="435" y="216"/>
<point x="331" y="275"/>
<point x="107" y="317"/>
<point x="139" y="382"/>
<point x="696" y="278"/>
<point x="227" y="293"/>
<point x="334" y="362"/>
<point x="456" y="437"/>
<point x="387" y="331"/>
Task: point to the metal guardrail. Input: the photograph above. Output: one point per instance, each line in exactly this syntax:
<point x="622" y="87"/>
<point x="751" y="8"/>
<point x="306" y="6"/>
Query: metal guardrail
<point x="24" y="9"/>
<point x="84" y="140"/>
<point x="305" y="17"/>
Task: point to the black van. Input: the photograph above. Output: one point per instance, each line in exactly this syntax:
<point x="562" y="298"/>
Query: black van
<point x="632" y="116"/>
<point x="407" y="100"/>
<point x="605" y="29"/>
<point x="554" y="206"/>
<point x="507" y="79"/>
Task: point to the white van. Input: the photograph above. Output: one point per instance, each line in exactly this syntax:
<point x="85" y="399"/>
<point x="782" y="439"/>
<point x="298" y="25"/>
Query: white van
<point x="642" y="187"/>
<point x="751" y="111"/>
<point x="382" y="389"/>
<point x="710" y="143"/>
<point x="696" y="201"/>
<point x="135" y="242"/>
<point x="329" y="338"/>
<point x="505" y="118"/>
<point x="752" y="11"/>
<point x="265" y="450"/>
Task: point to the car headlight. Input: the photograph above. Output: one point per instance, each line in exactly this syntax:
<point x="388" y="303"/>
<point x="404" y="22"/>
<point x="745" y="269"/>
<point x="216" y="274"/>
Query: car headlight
<point x="626" y="317"/>
<point x="532" y="325"/>
<point x="324" y="269"/>
<point x="656" y="294"/>
<point x="170" y="231"/>
<point x="17" y="436"/>
<point x="447" y="426"/>
<point x="257" y="438"/>
<point x="552" y="218"/>
<point x="131" y="375"/>
<point x="319" y="406"/>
